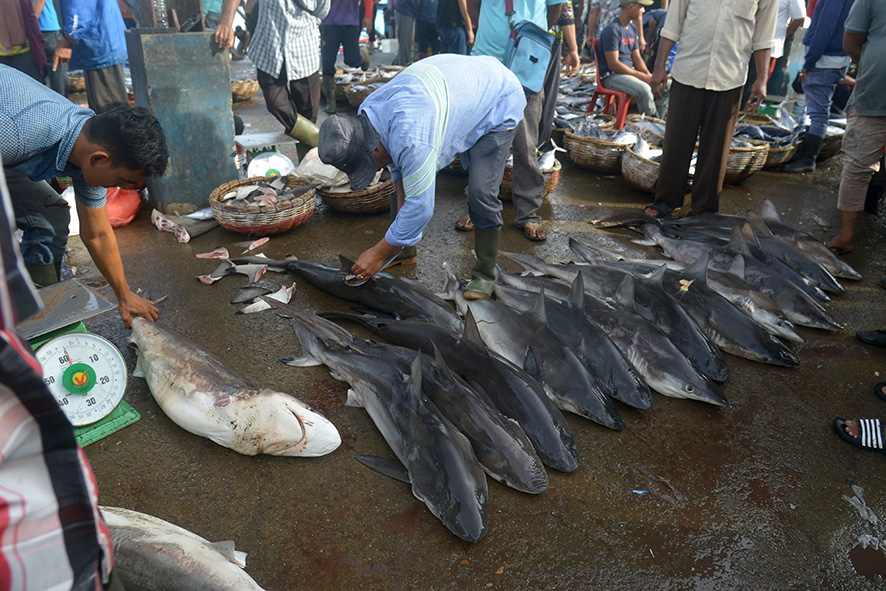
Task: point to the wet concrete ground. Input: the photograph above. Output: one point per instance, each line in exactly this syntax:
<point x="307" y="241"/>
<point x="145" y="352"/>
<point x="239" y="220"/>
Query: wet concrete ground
<point x="744" y="497"/>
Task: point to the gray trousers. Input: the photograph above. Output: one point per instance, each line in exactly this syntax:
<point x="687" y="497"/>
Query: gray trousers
<point x="527" y="180"/>
<point x="486" y="167"/>
<point x="105" y="88"/>
<point x="405" y="37"/>
<point x="58" y="80"/>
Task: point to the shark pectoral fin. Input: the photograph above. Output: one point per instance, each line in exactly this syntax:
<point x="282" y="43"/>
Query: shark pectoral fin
<point x="227" y="550"/>
<point x="386" y="467"/>
<point x="139" y="370"/>
<point x="530" y="364"/>
<point x="352" y="399"/>
<point x="304" y="361"/>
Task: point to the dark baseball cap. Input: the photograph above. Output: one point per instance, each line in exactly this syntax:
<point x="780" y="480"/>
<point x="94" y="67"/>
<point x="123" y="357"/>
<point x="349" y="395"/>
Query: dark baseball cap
<point x="348" y="144"/>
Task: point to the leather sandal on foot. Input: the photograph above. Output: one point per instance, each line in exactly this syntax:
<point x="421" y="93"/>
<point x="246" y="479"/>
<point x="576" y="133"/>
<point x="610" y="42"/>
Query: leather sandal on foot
<point x="535" y="232"/>
<point x="464" y="225"/>
<point x="870" y="434"/>
<point x="660" y="209"/>
<point x="880" y="390"/>
<point x="839" y="251"/>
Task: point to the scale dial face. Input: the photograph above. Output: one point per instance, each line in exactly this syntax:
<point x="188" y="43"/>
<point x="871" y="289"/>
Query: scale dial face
<point x="86" y="373"/>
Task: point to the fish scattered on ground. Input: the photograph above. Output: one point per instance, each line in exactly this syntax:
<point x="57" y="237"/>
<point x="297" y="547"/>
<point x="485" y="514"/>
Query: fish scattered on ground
<point x="150" y="553"/>
<point x="284" y="294"/>
<point x="203" y="396"/>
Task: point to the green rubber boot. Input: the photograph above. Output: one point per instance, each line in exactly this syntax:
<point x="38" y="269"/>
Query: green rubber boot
<point x="43" y="274"/>
<point x="305" y="131"/>
<point x="407" y="256"/>
<point x="483" y="274"/>
<point x="329" y="91"/>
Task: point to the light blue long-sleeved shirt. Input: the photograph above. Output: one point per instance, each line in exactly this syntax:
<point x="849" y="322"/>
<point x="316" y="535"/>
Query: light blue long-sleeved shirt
<point x="38" y="128"/>
<point x="433" y="110"/>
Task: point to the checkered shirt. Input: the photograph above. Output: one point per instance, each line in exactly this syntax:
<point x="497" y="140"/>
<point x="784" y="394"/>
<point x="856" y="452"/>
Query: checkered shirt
<point x="288" y="36"/>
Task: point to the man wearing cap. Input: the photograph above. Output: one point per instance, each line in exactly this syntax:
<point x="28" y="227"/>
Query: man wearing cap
<point x="440" y="107"/>
<point x="621" y="66"/>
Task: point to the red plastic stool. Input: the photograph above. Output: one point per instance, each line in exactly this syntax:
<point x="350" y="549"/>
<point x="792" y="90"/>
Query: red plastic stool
<point x="608" y="95"/>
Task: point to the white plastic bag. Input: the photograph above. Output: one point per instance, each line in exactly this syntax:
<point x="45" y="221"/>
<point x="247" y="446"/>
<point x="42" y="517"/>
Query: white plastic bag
<point x="313" y="170"/>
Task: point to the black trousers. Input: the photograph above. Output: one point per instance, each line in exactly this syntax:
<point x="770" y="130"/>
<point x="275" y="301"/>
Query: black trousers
<point x="287" y="100"/>
<point x="708" y="116"/>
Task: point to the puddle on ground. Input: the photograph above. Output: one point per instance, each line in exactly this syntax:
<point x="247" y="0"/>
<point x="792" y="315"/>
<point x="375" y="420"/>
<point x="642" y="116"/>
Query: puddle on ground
<point x="869" y="562"/>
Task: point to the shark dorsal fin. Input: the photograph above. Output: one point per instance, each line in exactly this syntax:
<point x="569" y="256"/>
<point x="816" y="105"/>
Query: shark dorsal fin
<point x="415" y="374"/>
<point x="736" y="267"/>
<point x="657" y="276"/>
<point x="625" y="293"/>
<point x="441" y="363"/>
<point x="769" y="213"/>
<point x="699" y="269"/>
<point x="577" y="294"/>
<point x="346" y="263"/>
<point x="471" y="333"/>
<point x="750" y="235"/>
<point x="737" y="242"/>
<point x="538" y="310"/>
<point x="530" y="364"/>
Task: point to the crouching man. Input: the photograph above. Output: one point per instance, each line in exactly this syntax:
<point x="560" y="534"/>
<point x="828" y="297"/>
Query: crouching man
<point x="435" y="109"/>
<point x="43" y="135"/>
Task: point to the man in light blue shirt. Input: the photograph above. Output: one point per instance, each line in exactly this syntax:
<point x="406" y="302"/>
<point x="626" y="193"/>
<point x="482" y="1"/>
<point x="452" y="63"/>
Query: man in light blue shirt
<point x="493" y="31"/>
<point x="416" y="124"/>
<point x="43" y="135"/>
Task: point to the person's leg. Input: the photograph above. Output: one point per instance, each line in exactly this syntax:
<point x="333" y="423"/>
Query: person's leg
<point x="305" y="96"/>
<point x="551" y="89"/>
<point x="487" y="158"/>
<point x="105" y="88"/>
<point x="43" y="217"/>
<point x="355" y="56"/>
<point x="819" y="90"/>
<point x="278" y="101"/>
<point x="527" y="180"/>
<point x="863" y="145"/>
<point x="405" y="38"/>
<point x="57" y="80"/>
<point x="679" y="143"/>
<point x="637" y="89"/>
<point x="330" y="39"/>
<point x="715" y="138"/>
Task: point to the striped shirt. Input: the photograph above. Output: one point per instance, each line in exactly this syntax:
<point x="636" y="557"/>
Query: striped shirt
<point x="287" y="36"/>
<point x="52" y="537"/>
<point x="433" y="110"/>
<point x="38" y="129"/>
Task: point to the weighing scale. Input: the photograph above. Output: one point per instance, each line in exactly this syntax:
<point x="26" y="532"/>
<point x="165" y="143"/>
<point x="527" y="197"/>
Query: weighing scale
<point x="85" y="372"/>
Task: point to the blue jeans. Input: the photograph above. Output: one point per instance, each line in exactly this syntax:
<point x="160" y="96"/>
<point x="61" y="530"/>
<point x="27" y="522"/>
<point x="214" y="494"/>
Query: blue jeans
<point x="453" y="40"/>
<point x="819" y="90"/>
<point x="43" y="217"/>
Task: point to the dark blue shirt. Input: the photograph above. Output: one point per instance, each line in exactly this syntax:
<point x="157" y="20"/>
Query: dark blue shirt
<point x="615" y="37"/>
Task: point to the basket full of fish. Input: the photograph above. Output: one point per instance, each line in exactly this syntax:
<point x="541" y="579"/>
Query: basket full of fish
<point x="549" y="166"/>
<point x="375" y="198"/>
<point x="263" y="205"/>
<point x="651" y="128"/>
<point x="640" y="165"/>
<point x="781" y="135"/>
<point x="745" y="158"/>
<point x="592" y="147"/>
<point x="567" y="120"/>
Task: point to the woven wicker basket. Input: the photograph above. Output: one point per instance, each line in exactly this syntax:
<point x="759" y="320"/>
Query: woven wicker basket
<point x="641" y="173"/>
<point x="832" y="144"/>
<point x="594" y="154"/>
<point x="743" y="162"/>
<point x="650" y="136"/>
<point x="371" y="200"/>
<point x="779" y="156"/>
<point x="262" y="220"/>
<point x="552" y="179"/>
<point x="357" y="93"/>
<point x="243" y="90"/>
<point x="606" y="122"/>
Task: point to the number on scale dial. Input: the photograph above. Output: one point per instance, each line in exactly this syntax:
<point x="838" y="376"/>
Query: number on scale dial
<point x="86" y="373"/>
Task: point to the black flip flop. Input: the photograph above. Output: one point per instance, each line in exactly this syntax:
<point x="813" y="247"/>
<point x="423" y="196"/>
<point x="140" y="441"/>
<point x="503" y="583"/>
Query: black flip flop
<point x="878" y="390"/>
<point x="870" y="433"/>
<point x="839" y="251"/>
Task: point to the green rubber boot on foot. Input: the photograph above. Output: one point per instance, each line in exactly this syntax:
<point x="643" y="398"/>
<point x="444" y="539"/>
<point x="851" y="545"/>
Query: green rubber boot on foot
<point x="483" y="274"/>
<point x="305" y="131"/>
<point x="43" y="274"/>
<point x="329" y="91"/>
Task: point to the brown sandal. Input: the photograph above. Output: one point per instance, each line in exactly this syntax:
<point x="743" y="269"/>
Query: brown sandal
<point x="535" y="232"/>
<point x="464" y="224"/>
